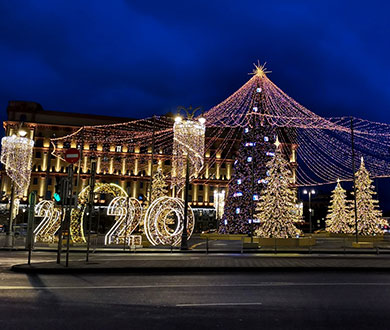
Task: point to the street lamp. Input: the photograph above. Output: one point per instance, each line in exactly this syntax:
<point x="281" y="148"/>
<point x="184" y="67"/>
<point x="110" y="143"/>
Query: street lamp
<point x="16" y="155"/>
<point x="188" y="147"/>
<point x="310" y="192"/>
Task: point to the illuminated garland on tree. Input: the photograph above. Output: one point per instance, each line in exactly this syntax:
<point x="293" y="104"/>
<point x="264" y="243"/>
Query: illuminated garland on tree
<point x="159" y="185"/>
<point x="250" y="172"/>
<point x="338" y="219"/>
<point x="324" y="149"/>
<point x="370" y="221"/>
<point x="276" y="209"/>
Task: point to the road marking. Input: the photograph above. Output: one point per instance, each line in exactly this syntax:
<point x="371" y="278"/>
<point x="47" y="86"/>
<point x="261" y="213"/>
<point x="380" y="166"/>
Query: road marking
<point x="220" y="304"/>
<point x="172" y="286"/>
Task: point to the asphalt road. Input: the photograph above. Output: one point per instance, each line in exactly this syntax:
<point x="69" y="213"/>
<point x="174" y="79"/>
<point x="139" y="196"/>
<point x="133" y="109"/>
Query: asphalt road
<point x="264" y="300"/>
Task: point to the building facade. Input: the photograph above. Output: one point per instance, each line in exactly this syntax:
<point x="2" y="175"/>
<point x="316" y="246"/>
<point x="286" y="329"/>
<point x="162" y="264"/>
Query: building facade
<point x="113" y="165"/>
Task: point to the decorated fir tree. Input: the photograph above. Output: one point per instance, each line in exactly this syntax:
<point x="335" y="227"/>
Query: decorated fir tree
<point x="369" y="217"/>
<point x="338" y="219"/>
<point x="159" y="185"/>
<point x="249" y="169"/>
<point x="276" y="209"/>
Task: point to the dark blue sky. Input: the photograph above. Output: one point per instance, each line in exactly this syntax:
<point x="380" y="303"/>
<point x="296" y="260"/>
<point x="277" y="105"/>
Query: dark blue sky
<point x="137" y="58"/>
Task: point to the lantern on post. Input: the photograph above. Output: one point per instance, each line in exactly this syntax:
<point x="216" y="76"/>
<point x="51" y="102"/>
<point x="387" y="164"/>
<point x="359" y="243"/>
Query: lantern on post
<point x="188" y="157"/>
<point x="188" y="142"/>
<point x="16" y="155"/>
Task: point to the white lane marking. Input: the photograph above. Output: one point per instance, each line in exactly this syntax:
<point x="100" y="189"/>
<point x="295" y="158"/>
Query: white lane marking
<point x="168" y="286"/>
<point x="220" y="304"/>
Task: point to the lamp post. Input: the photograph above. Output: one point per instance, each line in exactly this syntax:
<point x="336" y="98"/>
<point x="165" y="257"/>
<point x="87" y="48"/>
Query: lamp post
<point x="189" y="135"/>
<point x="310" y="192"/>
<point x="16" y="155"/>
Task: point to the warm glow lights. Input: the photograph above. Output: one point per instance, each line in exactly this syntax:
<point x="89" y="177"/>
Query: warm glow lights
<point x="163" y="223"/>
<point x="369" y="217"/>
<point x="128" y="215"/>
<point x="77" y="215"/>
<point x="219" y="203"/>
<point x="16" y="155"/>
<point x="323" y="147"/>
<point x="188" y="143"/>
<point x="276" y="209"/>
<point x="51" y="222"/>
<point x="339" y="218"/>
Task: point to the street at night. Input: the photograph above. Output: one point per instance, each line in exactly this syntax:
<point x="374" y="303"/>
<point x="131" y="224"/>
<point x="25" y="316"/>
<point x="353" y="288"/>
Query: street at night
<point x="270" y="299"/>
<point x="194" y="165"/>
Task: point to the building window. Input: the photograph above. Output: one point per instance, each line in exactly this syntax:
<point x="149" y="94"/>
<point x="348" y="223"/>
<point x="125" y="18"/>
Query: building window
<point x="38" y="154"/>
<point x="167" y="162"/>
<point x="66" y="145"/>
<point x="93" y="146"/>
<point x="200" y="198"/>
<point x="38" y="143"/>
<point x="118" y="148"/>
<point x="106" y="147"/>
<point x="201" y="188"/>
<point x="141" y="185"/>
<point x="35" y="181"/>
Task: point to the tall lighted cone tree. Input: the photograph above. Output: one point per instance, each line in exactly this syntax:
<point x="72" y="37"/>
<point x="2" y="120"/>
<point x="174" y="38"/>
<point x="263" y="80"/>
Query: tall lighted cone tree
<point x="338" y="219"/>
<point x="159" y="185"/>
<point x="249" y="169"/>
<point x="276" y="209"/>
<point x="370" y="221"/>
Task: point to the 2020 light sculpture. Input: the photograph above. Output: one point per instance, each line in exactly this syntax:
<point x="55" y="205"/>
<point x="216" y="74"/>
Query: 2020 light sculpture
<point x="77" y="215"/>
<point x="163" y="222"/>
<point x="51" y="222"/>
<point x="128" y="215"/>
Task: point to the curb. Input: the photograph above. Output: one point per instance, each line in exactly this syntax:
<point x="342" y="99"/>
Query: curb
<point x="185" y="270"/>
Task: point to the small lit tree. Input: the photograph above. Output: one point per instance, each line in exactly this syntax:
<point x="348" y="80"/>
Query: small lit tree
<point x="369" y="217"/>
<point x="276" y="208"/>
<point x="159" y="185"/>
<point x="338" y="219"/>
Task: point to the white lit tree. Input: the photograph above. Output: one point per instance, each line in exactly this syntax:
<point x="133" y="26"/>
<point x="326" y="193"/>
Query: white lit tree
<point x="369" y="217"/>
<point x="338" y="219"/>
<point x="159" y="185"/>
<point x="276" y="209"/>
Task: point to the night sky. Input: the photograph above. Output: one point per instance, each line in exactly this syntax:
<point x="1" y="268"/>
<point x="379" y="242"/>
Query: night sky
<point x="138" y="58"/>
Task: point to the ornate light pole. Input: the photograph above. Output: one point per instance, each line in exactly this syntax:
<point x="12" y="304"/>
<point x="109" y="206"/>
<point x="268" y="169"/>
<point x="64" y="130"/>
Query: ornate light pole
<point x="310" y="192"/>
<point x="16" y="155"/>
<point x="188" y="147"/>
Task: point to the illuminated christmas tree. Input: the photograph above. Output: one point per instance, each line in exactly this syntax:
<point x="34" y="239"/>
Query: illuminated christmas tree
<point x="370" y="221"/>
<point x="159" y="185"/>
<point x="277" y="209"/>
<point x="249" y="169"/>
<point x="338" y="219"/>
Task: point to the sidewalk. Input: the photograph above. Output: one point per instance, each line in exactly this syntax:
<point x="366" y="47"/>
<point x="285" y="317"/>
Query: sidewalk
<point x="177" y="262"/>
